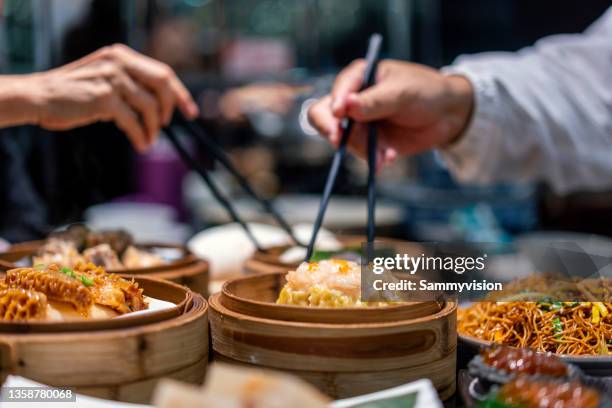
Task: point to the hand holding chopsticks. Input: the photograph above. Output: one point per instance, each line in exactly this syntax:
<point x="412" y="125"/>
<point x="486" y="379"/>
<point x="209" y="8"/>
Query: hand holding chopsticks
<point x="347" y="125"/>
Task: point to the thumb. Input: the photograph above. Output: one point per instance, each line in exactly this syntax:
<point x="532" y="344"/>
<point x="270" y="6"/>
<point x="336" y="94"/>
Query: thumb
<point x="375" y="103"/>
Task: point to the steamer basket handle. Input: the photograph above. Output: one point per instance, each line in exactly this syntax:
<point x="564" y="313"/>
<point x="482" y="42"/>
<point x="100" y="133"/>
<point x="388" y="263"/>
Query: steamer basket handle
<point x="8" y="359"/>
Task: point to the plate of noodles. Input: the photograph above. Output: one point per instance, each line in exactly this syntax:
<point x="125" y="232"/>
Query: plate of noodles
<point x="571" y="319"/>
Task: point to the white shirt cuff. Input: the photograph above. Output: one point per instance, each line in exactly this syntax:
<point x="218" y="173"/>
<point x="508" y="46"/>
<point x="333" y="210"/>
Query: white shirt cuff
<point x="472" y="157"/>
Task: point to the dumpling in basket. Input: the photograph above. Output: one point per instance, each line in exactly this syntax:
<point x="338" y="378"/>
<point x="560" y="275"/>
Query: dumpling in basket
<point x="330" y="283"/>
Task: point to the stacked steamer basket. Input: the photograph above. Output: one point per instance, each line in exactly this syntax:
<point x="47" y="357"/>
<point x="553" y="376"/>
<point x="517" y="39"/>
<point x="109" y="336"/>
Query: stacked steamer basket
<point x="120" y="358"/>
<point x="342" y="351"/>
<point x="188" y="270"/>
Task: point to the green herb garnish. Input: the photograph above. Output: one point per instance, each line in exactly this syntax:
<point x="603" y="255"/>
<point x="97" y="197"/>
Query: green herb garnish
<point x="492" y="403"/>
<point x="556" y="305"/>
<point x="68" y="272"/>
<point x="39" y="267"/>
<point x="86" y="281"/>
<point x="603" y="349"/>
<point x="319" y="256"/>
<point x="558" y="327"/>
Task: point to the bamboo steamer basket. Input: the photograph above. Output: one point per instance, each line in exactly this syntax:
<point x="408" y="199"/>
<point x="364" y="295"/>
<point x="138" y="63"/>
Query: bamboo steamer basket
<point x="122" y="362"/>
<point x="344" y="352"/>
<point x="189" y="270"/>
<point x="176" y="294"/>
<point x="256" y="295"/>
<point x="268" y="260"/>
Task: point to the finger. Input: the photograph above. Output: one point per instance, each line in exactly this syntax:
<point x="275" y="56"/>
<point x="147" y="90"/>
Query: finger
<point x="141" y="101"/>
<point x="155" y="80"/>
<point x="127" y="120"/>
<point x="358" y="141"/>
<point x="402" y="141"/>
<point x="161" y="79"/>
<point x="384" y="156"/>
<point x="183" y="98"/>
<point x="348" y="81"/>
<point x="389" y="155"/>
<point x="375" y="103"/>
<point x="321" y="118"/>
<point x="358" y="145"/>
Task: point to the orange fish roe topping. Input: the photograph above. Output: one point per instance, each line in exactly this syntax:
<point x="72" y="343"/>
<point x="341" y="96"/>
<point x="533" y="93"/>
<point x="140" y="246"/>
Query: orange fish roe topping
<point x="344" y="265"/>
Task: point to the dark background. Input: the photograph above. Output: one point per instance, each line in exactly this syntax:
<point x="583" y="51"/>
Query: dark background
<point x="49" y="179"/>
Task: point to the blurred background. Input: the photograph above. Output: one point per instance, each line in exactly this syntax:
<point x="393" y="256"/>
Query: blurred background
<point x="254" y="67"/>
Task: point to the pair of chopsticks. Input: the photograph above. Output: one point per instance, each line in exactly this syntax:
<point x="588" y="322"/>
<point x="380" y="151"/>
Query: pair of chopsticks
<point x="369" y="76"/>
<point x="195" y="130"/>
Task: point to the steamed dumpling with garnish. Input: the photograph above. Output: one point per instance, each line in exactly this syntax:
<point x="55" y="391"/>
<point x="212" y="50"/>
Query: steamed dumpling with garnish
<point x="330" y="283"/>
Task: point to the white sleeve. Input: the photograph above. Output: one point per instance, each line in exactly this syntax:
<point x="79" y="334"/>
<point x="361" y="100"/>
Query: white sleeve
<point x="542" y="113"/>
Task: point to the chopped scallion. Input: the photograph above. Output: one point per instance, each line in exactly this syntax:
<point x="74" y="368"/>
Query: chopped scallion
<point x="68" y="272"/>
<point x="558" y="327"/>
<point x="86" y="281"/>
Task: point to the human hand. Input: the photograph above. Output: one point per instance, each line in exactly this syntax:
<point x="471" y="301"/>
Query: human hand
<point x="415" y="107"/>
<point x="114" y="84"/>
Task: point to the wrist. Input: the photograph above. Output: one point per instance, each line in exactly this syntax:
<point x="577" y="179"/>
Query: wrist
<point x="19" y="101"/>
<point x="459" y="107"/>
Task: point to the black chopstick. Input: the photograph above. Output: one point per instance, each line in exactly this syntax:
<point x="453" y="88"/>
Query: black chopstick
<point x="372" y="147"/>
<point x="198" y="168"/>
<point x="196" y="130"/>
<point x="347" y="125"/>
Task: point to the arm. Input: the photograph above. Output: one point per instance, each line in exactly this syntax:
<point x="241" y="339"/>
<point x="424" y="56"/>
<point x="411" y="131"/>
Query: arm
<point x="113" y="84"/>
<point x="542" y="113"/>
<point x="16" y="101"/>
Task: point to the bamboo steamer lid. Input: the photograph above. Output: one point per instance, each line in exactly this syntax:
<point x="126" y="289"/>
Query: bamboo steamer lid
<point x="188" y="270"/>
<point x="121" y="362"/>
